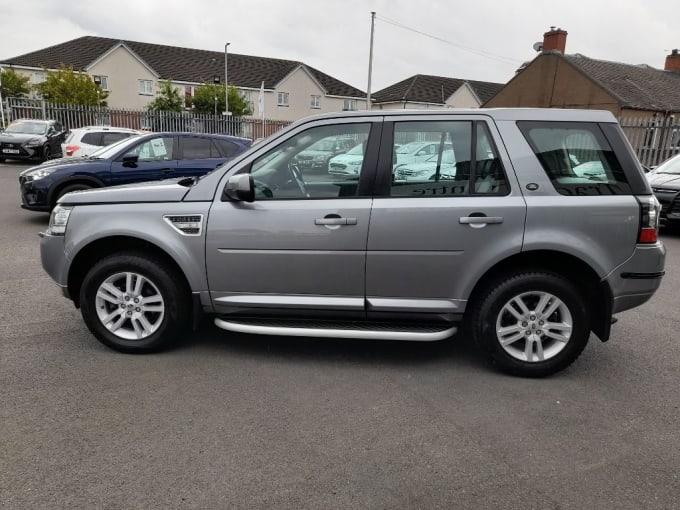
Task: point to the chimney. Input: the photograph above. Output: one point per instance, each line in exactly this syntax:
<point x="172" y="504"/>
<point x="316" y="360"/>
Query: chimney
<point x="555" y="39"/>
<point x="673" y="61"/>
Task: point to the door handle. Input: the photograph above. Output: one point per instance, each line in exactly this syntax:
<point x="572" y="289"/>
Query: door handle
<point x="480" y="220"/>
<point x="335" y="221"/>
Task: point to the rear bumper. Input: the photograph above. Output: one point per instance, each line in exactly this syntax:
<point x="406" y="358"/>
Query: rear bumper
<point x="636" y="280"/>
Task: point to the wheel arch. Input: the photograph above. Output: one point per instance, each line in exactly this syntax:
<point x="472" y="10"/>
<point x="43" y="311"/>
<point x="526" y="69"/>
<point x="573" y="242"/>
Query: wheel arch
<point x="96" y="250"/>
<point x="53" y="193"/>
<point x="595" y="291"/>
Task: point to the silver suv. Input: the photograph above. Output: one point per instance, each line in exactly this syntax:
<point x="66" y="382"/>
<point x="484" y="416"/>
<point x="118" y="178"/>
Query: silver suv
<point x="509" y="244"/>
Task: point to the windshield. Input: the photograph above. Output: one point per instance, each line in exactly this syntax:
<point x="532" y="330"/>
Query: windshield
<point x="111" y="150"/>
<point x="672" y="166"/>
<point x="27" y="128"/>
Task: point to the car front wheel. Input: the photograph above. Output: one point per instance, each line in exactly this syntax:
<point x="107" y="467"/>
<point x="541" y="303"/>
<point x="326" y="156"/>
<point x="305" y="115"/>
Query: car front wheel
<point x="134" y="303"/>
<point x="532" y="324"/>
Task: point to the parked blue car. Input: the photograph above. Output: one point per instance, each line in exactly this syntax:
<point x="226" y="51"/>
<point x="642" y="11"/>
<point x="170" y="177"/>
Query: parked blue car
<point x="140" y="158"/>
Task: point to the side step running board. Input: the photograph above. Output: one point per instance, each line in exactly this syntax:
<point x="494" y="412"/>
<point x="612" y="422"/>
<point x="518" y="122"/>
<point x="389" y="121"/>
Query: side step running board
<point x="337" y="330"/>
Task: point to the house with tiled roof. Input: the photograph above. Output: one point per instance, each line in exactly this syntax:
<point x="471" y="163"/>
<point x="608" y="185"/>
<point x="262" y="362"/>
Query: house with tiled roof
<point x="434" y="92"/>
<point x="555" y="79"/>
<point x="131" y="72"/>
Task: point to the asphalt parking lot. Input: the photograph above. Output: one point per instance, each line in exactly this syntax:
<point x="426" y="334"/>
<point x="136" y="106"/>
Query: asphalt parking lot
<point x="228" y="421"/>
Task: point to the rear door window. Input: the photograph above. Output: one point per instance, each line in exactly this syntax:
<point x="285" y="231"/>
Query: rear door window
<point x="577" y="158"/>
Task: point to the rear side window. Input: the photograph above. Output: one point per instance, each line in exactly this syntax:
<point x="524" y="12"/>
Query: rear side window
<point x="577" y="158"/>
<point x="92" y="139"/>
<point x="199" y="148"/>
<point x="110" y="137"/>
<point x="444" y="159"/>
<point x="228" y="148"/>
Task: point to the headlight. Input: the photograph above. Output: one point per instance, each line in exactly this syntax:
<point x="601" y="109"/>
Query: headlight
<point x="319" y="157"/>
<point x="39" y="174"/>
<point x="58" y="220"/>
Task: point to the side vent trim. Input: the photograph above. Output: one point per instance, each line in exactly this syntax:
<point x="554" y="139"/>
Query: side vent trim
<point x="185" y="224"/>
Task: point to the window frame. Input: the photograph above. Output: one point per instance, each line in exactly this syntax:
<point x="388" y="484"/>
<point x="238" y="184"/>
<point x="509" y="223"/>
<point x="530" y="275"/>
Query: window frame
<point x="283" y="99"/>
<point x="384" y="182"/>
<point x="142" y="87"/>
<point x="349" y="105"/>
<point x="103" y="81"/>
<point x="315" y="101"/>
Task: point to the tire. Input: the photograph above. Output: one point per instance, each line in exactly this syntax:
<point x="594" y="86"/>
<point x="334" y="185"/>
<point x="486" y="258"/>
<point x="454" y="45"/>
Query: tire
<point x="134" y="303"/>
<point x="46" y="152"/>
<point x="541" y="338"/>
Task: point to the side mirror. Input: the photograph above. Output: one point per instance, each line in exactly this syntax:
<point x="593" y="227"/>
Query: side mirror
<point x="240" y="188"/>
<point x="130" y="160"/>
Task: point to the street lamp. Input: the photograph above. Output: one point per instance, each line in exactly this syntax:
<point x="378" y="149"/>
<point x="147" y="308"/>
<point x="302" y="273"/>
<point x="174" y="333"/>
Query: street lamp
<point x="216" y="81"/>
<point x="226" y="82"/>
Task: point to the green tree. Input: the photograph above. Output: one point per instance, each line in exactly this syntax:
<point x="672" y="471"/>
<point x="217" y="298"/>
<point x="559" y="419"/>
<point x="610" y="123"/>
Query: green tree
<point x="167" y="99"/>
<point x="65" y="85"/>
<point x="13" y="84"/>
<point x="204" y="100"/>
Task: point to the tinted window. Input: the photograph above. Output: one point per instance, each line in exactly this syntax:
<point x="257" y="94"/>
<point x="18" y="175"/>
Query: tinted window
<point x="109" y="137"/>
<point x="199" y="148"/>
<point x="228" y="148"/>
<point x="577" y="158"/>
<point x="313" y="164"/>
<point x="447" y="158"/>
<point x="92" y="139"/>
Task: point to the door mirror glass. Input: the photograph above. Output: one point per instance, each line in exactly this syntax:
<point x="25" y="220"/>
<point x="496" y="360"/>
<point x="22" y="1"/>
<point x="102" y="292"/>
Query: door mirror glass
<point x="240" y="188"/>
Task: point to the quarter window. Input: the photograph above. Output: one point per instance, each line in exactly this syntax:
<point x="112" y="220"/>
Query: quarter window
<point x="282" y="99"/>
<point x="322" y="162"/>
<point x="577" y="157"/>
<point x="444" y="159"/>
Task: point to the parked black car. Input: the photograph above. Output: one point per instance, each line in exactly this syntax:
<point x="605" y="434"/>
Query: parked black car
<point x="138" y="158"/>
<point x="32" y="139"/>
<point x="665" y="183"/>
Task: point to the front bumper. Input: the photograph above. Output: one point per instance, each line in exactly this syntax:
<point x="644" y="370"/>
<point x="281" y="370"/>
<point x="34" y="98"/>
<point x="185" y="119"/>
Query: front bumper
<point x="17" y="151"/>
<point x="34" y="197"/>
<point x="54" y="260"/>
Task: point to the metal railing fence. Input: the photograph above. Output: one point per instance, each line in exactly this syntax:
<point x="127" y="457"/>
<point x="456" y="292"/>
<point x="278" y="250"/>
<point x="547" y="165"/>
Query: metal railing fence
<point x="76" y="116"/>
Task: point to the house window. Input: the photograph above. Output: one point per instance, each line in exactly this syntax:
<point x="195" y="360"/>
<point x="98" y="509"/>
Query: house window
<point x="282" y="99"/>
<point x="145" y="87"/>
<point x="315" y="101"/>
<point x="350" y="105"/>
<point x="38" y="78"/>
<point x="103" y="81"/>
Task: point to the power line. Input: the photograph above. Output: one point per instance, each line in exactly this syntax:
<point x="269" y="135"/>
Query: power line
<point x="481" y="53"/>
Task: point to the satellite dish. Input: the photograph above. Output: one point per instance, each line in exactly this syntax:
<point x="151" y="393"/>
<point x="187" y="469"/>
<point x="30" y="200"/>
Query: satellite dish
<point x="538" y="46"/>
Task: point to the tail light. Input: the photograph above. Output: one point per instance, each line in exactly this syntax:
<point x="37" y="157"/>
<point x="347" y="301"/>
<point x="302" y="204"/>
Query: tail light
<point x="72" y="149"/>
<point x="649" y="219"/>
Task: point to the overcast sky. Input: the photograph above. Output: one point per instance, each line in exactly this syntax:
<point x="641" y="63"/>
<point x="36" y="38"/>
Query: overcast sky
<point x="474" y="39"/>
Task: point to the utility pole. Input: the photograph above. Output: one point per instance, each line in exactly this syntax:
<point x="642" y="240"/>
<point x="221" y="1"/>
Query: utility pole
<point x="226" y="81"/>
<point x="370" y="63"/>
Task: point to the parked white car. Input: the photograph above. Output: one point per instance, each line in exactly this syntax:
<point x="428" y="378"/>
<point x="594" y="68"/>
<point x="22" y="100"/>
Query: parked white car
<point x="84" y="141"/>
<point x="427" y="169"/>
<point x="348" y="163"/>
<point x="416" y="152"/>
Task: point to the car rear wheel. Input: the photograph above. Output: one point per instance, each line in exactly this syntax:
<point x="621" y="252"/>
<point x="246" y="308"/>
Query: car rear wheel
<point x="532" y="324"/>
<point x="134" y="303"/>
